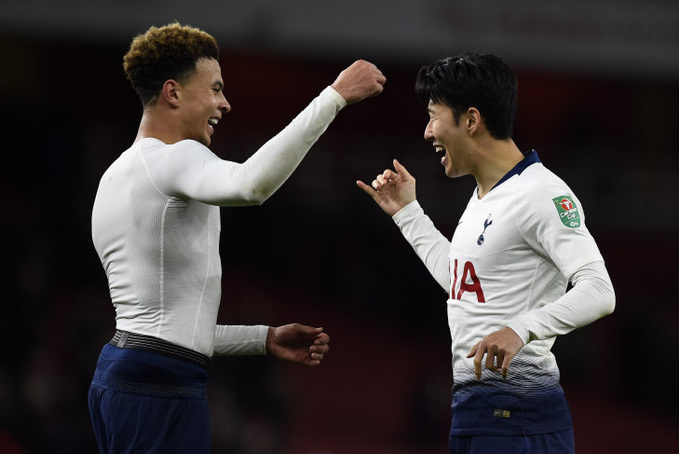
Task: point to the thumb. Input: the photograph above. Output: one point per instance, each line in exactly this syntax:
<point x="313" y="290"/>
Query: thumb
<point x="401" y="170"/>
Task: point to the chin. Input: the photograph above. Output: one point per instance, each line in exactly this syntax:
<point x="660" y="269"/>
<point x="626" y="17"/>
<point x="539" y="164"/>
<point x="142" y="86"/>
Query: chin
<point x="204" y="140"/>
<point x="452" y="172"/>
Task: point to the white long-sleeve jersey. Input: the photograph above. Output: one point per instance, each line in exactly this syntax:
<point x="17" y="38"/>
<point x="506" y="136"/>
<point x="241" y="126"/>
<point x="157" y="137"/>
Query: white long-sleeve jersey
<point x="156" y="227"/>
<point x="508" y="264"/>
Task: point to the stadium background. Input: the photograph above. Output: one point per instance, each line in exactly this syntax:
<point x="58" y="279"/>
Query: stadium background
<point x="599" y="100"/>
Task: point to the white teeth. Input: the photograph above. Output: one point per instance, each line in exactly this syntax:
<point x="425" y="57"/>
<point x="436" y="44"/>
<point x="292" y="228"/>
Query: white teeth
<point x="213" y="121"/>
<point x="439" y="149"/>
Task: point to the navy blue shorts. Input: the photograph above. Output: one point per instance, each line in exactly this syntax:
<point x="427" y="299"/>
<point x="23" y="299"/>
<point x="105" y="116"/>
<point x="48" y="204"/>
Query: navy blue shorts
<point x="144" y="402"/>
<point x="553" y="443"/>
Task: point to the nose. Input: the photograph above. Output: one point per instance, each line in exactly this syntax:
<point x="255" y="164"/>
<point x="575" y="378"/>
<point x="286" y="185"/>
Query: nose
<point x="429" y="132"/>
<point x="224" y="105"/>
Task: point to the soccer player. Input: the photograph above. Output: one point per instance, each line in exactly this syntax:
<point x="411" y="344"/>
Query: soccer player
<point x="156" y="228"/>
<point x="520" y="241"/>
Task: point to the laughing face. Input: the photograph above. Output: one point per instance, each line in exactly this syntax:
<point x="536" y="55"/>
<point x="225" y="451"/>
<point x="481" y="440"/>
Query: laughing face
<point x="202" y="101"/>
<point x="449" y="139"/>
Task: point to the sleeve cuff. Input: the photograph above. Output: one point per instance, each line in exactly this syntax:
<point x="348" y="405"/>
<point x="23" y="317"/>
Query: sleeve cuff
<point x="407" y="211"/>
<point x="332" y="93"/>
<point x="523" y="333"/>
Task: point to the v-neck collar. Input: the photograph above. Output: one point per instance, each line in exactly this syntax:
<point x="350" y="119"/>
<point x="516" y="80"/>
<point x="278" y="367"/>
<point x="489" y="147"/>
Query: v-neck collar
<point x="529" y="159"/>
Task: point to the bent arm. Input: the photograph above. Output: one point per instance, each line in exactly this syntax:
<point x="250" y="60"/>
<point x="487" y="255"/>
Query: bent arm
<point x="429" y="244"/>
<point x="591" y="298"/>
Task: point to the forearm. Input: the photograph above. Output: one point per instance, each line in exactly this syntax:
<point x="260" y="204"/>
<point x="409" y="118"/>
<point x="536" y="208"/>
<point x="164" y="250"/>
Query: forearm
<point x="240" y="340"/>
<point x="254" y="181"/>
<point x="591" y="298"/>
<point x="427" y="242"/>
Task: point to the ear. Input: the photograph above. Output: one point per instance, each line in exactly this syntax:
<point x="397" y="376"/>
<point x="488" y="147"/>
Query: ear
<point x="472" y="120"/>
<point x="170" y="92"/>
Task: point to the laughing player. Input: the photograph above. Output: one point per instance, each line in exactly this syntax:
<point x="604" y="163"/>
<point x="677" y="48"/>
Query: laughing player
<point x="520" y="241"/>
<point x="156" y="227"/>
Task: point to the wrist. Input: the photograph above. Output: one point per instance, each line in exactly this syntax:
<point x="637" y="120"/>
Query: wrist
<point x="269" y="339"/>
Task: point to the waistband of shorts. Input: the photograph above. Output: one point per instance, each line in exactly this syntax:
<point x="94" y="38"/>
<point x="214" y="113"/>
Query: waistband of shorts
<point x="126" y="339"/>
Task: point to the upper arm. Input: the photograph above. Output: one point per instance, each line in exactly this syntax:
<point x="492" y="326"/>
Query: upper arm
<point x="190" y="170"/>
<point x="558" y="233"/>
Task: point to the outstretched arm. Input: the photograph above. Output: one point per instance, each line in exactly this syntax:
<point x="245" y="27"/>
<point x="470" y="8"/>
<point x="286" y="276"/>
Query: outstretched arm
<point x="298" y="343"/>
<point x="292" y="342"/>
<point x="197" y="173"/>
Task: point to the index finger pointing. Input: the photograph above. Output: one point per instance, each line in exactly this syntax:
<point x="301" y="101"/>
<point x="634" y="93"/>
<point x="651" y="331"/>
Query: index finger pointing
<point x="367" y="189"/>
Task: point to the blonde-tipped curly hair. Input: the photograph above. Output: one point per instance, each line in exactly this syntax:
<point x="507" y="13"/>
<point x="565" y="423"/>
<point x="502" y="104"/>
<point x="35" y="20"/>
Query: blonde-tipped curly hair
<point x="163" y="53"/>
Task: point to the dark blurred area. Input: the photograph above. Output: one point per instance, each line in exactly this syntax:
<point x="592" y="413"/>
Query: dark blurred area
<point x="320" y="252"/>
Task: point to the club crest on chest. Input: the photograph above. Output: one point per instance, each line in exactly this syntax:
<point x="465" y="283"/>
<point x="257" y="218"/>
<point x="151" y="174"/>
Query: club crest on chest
<point x="486" y="224"/>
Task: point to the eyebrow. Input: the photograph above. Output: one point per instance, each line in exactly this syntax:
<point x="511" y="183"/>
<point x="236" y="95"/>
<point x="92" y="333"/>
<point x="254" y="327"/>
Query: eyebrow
<point x="218" y="84"/>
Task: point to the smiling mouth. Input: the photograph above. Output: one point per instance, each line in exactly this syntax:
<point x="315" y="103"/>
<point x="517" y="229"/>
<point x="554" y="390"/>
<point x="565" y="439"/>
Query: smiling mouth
<point x="213" y="121"/>
<point x="440" y="149"/>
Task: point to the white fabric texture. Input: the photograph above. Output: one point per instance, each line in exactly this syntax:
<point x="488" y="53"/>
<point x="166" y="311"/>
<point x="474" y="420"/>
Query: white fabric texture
<point x="509" y="263"/>
<point x="156" y="227"/>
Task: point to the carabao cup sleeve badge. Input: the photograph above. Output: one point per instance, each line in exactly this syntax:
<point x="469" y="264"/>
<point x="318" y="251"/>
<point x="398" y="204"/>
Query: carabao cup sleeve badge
<point x="568" y="211"/>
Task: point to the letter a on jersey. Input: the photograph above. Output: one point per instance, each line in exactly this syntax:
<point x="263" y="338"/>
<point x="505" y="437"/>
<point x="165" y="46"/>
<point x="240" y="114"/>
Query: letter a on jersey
<point x="468" y="273"/>
<point x="568" y="211"/>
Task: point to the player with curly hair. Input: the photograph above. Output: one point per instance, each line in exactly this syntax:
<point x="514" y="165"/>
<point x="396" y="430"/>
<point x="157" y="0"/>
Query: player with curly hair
<point x="156" y="229"/>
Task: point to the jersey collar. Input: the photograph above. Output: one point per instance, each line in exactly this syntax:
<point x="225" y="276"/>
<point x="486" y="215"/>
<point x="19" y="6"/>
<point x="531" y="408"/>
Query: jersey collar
<point x="529" y="159"/>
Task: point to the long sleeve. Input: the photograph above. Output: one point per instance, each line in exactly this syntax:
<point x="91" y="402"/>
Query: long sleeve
<point x="240" y="340"/>
<point x="429" y="244"/>
<point x="591" y="298"/>
<point x="192" y="171"/>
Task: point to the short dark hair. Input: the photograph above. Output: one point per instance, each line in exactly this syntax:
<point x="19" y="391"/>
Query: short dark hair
<point x="476" y="80"/>
<point x="168" y="52"/>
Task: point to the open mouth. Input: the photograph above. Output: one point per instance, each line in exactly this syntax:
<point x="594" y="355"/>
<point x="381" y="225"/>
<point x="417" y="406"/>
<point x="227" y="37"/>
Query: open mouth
<point x="213" y="121"/>
<point x="440" y="149"/>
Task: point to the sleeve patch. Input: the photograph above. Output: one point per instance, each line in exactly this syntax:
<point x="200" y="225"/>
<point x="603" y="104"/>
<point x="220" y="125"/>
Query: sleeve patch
<point x="567" y="210"/>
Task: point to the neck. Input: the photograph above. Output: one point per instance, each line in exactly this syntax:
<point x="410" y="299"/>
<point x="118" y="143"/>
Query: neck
<point x="497" y="158"/>
<point x="155" y="125"/>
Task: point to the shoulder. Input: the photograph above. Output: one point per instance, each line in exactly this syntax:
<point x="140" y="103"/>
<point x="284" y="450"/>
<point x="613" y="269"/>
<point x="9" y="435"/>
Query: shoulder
<point x="543" y="198"/>
<point x="538" y="176"/>
<point x="168" y="165"/>
<point x="539" y="185"/>
<point x="174" y="156"/>
<point x="155" y="146"/>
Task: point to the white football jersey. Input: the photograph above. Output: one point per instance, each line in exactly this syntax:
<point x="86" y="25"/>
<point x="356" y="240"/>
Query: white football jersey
<point x="156" y="227"/>
<point x="512" y="254"/>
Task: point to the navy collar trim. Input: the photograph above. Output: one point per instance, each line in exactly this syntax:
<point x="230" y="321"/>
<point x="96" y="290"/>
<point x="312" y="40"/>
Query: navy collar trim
<point x="529" y="159"/>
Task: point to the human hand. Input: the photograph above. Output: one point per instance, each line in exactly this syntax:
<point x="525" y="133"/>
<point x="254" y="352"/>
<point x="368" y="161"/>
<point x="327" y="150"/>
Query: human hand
<point x="359" y="81"/>
<point x="499" y="347"/>
<point x="298" y="343"/>
<point x="391" y="190"/>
